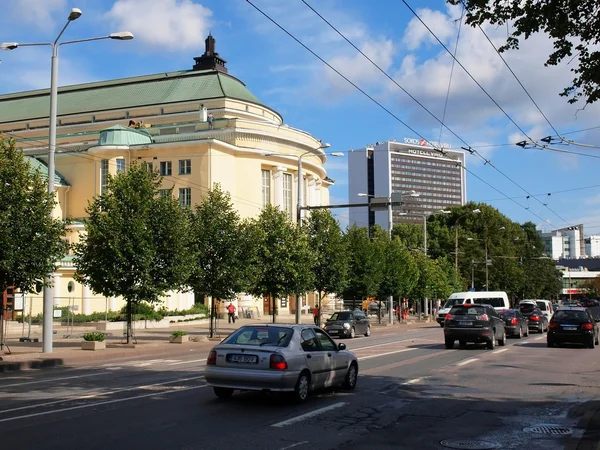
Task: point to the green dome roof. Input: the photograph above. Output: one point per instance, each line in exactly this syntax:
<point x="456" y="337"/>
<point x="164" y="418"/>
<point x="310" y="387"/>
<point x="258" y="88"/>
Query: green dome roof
<point x="120" y="135"/>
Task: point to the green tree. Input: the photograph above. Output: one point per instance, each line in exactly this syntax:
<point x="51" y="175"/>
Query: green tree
<point x="363" y="265"/>
<point x="330" y="252"/>
<point x="411" y="234"/>
<point x="282" y="259"/>
<point x="31" y="241"/>
<point x="573" y="27"/>
<point x="219" y="249"/>
<point x="136" y="243"/>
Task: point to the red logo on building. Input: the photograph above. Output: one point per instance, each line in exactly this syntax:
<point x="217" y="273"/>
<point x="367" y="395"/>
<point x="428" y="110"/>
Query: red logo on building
<point x="423" y="143"/>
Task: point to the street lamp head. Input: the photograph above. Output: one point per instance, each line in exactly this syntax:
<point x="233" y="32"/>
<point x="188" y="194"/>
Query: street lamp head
<point x="362" y="194"/>
<point x="9" y="45"/>
<point x="75" y="14"/>
<point x="476" y="211"/>
<point x="336" y="154"/>
<point x="324" y="145"/>
<point x="121" y="36"/>
<point x="444" y="211"/>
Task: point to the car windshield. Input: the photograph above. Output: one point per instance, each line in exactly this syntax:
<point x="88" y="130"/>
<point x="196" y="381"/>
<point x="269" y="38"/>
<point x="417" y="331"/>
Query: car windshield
<point x="578" y="316"/>
<point x="542" y="305"/>
<point x="471" y="311"/>
<point x="453" y="301"/>
<point x="259" y="336"/>
<point x="496" y="302"/>
<point x="345" y="315"/>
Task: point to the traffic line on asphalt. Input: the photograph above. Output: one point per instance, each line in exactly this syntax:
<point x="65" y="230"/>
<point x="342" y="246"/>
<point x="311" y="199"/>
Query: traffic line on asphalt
<point x="186" y="362"/>
<point x="96" y="394"/>
<point x="500" y="351"/>
<point x="386" y="353"/>
<point x="414" y="381"/>
<point x="539" y="338"/>
<point x="308" y="415"/>
<point x="467" y="361"/>
<point x="94" y="405"/>
<point x="294" y="445"/>
<point x="49" y="380"/>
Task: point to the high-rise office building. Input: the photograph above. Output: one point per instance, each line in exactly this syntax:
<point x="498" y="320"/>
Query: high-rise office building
<point x="428" y="179"/>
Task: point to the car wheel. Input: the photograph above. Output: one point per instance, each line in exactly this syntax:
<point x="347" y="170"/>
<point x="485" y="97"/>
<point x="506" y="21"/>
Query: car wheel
<point x="368" y="332"/>
<point x="492" y="343"/>
<point x="449" y="344"/>
<point x="520" y="335"/>
<point x="591" y="343"/>
<point x="503" y="340"/>
<point x="302" y="387"/>
<point x="222" y="392"/>
<point x="352" y="333"/>
<point x="442" y="324"/>
<point x="351" y="377"/>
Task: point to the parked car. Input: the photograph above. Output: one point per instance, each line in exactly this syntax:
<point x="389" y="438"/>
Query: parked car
<point x="279" y="358"/>
<point x="537" y="320"/>
<point x="474" y="323"/>
<point x="515" y="323"/>
<point x="348" y="324"/>
<point x="575" y="325"/>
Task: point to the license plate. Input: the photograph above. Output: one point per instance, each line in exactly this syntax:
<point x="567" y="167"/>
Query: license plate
<point x="465" y="324"/>
<point x="244" y="359"/>
<point x="332" y="331"/>
<point x="570" y="328"/>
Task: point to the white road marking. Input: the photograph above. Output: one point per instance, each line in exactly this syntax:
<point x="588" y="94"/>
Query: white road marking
<point x="467" y="361"/>
<point x="414" y="381"/>
<point x="539" y="338"/>
<point x="114" y="368"/>
<point x="500" y="351"/>
<point x="386" y="343"/>
<point x="49" y="380"/>
<point x="301" y="417"/>
<point x="93" y="405"/>
<point x="96" y="394"/>
<point x="384" y="354"/>
<point x="294" y="445"/>
<point x="186" y="362"/>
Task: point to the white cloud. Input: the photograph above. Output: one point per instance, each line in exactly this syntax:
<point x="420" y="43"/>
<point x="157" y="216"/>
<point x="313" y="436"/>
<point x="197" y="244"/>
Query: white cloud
<point x="38" y="12"/>
<point x="166" y="24"/>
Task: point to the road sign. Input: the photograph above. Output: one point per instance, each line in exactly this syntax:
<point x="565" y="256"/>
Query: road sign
<point x="378" y="203"/>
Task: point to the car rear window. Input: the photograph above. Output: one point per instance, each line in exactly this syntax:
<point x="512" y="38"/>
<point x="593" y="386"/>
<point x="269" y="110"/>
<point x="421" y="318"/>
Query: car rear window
<point x="496" y="302"/>
<point x="259" y="336"/>
<point x="578" y="316"/>
<point x="341" y="316"/>
<point x="542" y="305"/>
<point x="471" y="311"/>
<point x="508" y="313"/>
<point x="527" y="308"/>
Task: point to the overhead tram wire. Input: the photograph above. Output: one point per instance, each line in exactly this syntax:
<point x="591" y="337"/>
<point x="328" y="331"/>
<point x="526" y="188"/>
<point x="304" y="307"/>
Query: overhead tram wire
<point x="494" y="101"/>
<point x="551" y="193"/>
<point x="404" y="90"/>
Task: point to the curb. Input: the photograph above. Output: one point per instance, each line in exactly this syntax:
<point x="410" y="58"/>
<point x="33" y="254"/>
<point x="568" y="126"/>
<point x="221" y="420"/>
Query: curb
<point x="18" y="366"/>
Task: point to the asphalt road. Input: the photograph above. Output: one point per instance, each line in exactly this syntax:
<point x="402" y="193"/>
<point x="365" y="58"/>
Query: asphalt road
<point x="412" y="394"/>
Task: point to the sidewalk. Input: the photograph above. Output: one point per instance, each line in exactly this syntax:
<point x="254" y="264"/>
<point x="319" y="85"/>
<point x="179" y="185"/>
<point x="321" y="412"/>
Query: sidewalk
<point x="148" y="342"/>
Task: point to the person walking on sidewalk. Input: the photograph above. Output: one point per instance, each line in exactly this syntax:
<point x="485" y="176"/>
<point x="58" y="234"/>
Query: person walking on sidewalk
<point x="231" y="312"/>
<point x="316" y="315"/>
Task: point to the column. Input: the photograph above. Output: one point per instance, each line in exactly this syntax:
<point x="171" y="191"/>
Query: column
<point x="310" y="192"/>
<point x="87" y="300"/>
<point x="56" y="292"/>
<point x="278" y="186"/>
<point x="113" y="303"/>
<point x="318" y="193"/>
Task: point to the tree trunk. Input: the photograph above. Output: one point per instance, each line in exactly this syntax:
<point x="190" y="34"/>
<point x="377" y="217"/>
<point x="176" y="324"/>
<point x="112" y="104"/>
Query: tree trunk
<point x="319" y="309"/>
<point x="128" y="315"/>
<point x="212" y="317"/>
<point x="274" y="311"/>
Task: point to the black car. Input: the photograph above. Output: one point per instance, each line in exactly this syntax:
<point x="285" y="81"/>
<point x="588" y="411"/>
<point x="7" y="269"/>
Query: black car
<point x="377" y="308"/>
<point x="537" y="320"/>
<point x="474" y="323"/>
<point x="573" y="324"/>
<point x="348" y="324"/>
<point x="515" y="323"/>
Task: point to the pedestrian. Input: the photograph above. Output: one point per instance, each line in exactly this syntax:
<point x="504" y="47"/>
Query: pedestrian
<point x="316" y="315"/>
<point x="398" y="311"/>
<point x="211" y="121"/>
<point x="231" y="312"/>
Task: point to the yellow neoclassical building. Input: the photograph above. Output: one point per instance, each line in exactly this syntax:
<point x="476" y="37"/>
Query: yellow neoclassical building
<point x="196" y="127"/>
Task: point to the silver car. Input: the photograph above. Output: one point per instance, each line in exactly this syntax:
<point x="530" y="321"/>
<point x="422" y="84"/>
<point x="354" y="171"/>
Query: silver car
<point x="280" y="358"/>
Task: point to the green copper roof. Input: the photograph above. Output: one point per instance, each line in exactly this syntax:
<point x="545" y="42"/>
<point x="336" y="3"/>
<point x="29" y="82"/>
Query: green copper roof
<point x="38" y="165"/>
<point x="120" y="135"/>
<point x="159" y="89"/>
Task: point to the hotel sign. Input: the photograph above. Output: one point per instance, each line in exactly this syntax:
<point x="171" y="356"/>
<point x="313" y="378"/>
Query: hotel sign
<point x="426" y="143"/>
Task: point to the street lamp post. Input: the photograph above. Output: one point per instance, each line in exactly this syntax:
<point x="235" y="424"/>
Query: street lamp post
<point x="475" y="211"/>
<point x="47" y="333"/>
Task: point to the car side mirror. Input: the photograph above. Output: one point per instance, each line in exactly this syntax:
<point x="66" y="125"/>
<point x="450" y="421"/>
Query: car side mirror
<point x="342" y="346"/>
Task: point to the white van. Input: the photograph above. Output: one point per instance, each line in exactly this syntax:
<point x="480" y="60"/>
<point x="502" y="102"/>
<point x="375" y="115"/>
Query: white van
<point x="497" y="299"/>
<point x="544" y="305"/>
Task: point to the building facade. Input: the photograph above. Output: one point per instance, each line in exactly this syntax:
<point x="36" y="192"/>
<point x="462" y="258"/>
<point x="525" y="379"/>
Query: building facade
<point x="198" y="128"/>
<point x="565" y="243"/>
<point x="428" y="180"/>
<point x="592" y="246"/>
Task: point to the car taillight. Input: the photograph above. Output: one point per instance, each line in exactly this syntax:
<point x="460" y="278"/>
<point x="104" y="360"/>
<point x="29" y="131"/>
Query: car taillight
<point x="553" y="325"/>
<point x="514" y="321"/>
<point x="212" y="358"/>
<point x="534" y="318"/>
<point x="278" y="362"/>
<point x="587" y="326"/>
<point x="449" y="317"/>
<point x="483" y="317"/>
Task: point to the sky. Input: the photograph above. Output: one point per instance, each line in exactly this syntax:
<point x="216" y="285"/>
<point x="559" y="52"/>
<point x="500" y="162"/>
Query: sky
<point x="553" y="189"/>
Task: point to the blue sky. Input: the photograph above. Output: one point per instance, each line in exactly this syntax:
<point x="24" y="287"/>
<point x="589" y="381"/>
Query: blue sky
<point x="310" y="96"/>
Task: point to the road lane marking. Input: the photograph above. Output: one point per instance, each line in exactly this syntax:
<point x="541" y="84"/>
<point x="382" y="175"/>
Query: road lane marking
<point x="186" y="362"/>
<point x="388" y="343"/>
<point x="308" y="415"/>
<point x="96" y="394"/>
<point x="93" y="405"/>
<point x="467" y="361"/>
<point x="539" y="338"/>
<point x="387" y="353"/>
<point x="49" y="380"/>
<point x="294" y="445"/>
<point x="414" y="381"/>
<point x="500" y="351"/>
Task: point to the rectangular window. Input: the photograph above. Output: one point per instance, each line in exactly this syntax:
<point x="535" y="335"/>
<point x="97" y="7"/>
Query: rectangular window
<point x="287" y="194"/>
<point x="185" y="197"/>
<point x="164" y="193"/>
<point x="103" y="175"/>
<point x="266" y="187"/>
<point x="185" y="166"/>
<point x="165" y="168"/>
<point x="120" y="165"/>
<point x="149" y="167"/>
